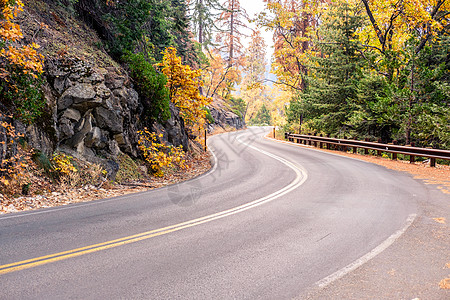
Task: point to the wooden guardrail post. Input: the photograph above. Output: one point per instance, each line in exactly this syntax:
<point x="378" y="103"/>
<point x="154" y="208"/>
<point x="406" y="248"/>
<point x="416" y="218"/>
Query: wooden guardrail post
<point x="320" y="143"/>
<point x="366" y="151"/>
<point x="379" y="151"/>
<point x="412" y="158"/>
<point x="394" y="155"/>
<point x="205" y="146"/>
<point x="345" y="148"/>
<point x="432" y="162"/>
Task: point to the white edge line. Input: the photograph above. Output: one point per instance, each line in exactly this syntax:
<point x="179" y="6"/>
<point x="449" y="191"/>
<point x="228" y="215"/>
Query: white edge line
<point x="364" y="259"/>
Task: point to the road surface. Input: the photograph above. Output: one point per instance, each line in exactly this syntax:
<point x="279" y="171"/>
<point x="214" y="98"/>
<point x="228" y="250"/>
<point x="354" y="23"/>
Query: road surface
<point x="269" y="221"/>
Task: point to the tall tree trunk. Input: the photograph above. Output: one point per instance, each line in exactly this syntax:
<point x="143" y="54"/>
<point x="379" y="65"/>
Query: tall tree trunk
<point x="230" y="57"/>
<point x="410" y="104"/>
<point x="200" y="29"/>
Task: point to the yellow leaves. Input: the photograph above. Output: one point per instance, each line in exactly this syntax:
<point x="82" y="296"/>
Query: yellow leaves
<point x="401" y="20"/>
<point x="159" y="155"/>
<point x="183" y="84"/>
<point x="63" y="163"/>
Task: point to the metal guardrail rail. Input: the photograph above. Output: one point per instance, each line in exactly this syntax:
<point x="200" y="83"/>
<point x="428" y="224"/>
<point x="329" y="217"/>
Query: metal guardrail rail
<point x="344" y="144"/>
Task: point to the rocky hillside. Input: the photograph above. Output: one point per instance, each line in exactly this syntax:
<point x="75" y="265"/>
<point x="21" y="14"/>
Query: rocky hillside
<point x="93" y="110"/>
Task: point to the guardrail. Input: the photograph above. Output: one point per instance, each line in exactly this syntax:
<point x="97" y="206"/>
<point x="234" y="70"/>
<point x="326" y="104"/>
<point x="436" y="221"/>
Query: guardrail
<point x="344" y="145"/>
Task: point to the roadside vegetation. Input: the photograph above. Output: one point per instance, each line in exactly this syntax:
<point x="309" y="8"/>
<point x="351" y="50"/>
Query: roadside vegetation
<point x="364" y="69"/>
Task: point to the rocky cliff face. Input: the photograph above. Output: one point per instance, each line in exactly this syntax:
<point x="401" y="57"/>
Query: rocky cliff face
<point x="97" y="113"/>
<point x="223" y="117"/>
<point x="95" y="110"/>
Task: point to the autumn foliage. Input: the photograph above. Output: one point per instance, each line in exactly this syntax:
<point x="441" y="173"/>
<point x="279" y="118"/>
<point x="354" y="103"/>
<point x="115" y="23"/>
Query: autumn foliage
<point x="159" y="155"/>
<point x="184" y="84"/>
<point x="14" y="168"/>
<point x="25" y="57"/>
<point x="21" y="66"/>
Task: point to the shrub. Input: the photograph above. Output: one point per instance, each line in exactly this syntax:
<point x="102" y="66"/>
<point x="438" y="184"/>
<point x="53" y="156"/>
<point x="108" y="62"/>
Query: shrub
<point x="151" y="87"/>
<point x="20" y="67"/>
<point x="128" y="170"/>
<point x="159" y="155"/>
<point x="16" y="161"/>
<point x="74" y="173"/>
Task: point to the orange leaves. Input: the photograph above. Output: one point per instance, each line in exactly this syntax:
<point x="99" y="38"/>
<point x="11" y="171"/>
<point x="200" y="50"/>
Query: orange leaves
<point x="24" y="57"/>
<point x="183" y="84"/>
<point x="13" y="169"/>
<point x="10" y="9"/>
<point x="10" y="32"/>
<point x="294" y="24"/>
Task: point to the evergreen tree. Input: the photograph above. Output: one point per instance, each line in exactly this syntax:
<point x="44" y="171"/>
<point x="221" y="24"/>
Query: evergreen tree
<point x="262" y="117"/>
<point x="182" y="35"/>
<point x="332" y="84"/>
<point x="431" y="110"/>
<point x="203" y="14"/>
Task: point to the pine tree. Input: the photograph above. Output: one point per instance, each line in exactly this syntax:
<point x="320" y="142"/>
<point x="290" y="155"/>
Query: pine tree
<point x="180" y="31"/>
<point x="255" y="60"/>
<point x="203" y="14"/>
<point x="262" y="117"/>
<point x="332" y="91"/>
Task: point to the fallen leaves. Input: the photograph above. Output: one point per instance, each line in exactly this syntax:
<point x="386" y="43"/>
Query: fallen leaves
<point x="440" y="220"/>
<point x="445" y="284"/>
<point x="51" y="196"/>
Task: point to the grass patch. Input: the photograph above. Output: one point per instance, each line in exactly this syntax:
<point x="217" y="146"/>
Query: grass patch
<point x="128" y="169"/>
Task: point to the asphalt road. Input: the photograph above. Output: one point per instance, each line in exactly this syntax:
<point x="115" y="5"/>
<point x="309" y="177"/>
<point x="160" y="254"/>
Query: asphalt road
<point x="269" y="221"/>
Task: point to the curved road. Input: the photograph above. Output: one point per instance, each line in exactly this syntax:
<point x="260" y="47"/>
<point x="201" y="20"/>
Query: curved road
<point x="270" y="221"/>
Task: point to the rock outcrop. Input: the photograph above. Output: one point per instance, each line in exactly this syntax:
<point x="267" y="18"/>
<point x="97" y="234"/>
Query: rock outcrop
<point x="223" y="117"/>
<point x="95" y="110"/>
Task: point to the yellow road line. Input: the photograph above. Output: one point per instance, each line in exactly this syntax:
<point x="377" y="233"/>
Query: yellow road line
<point x="42" y="260"/>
